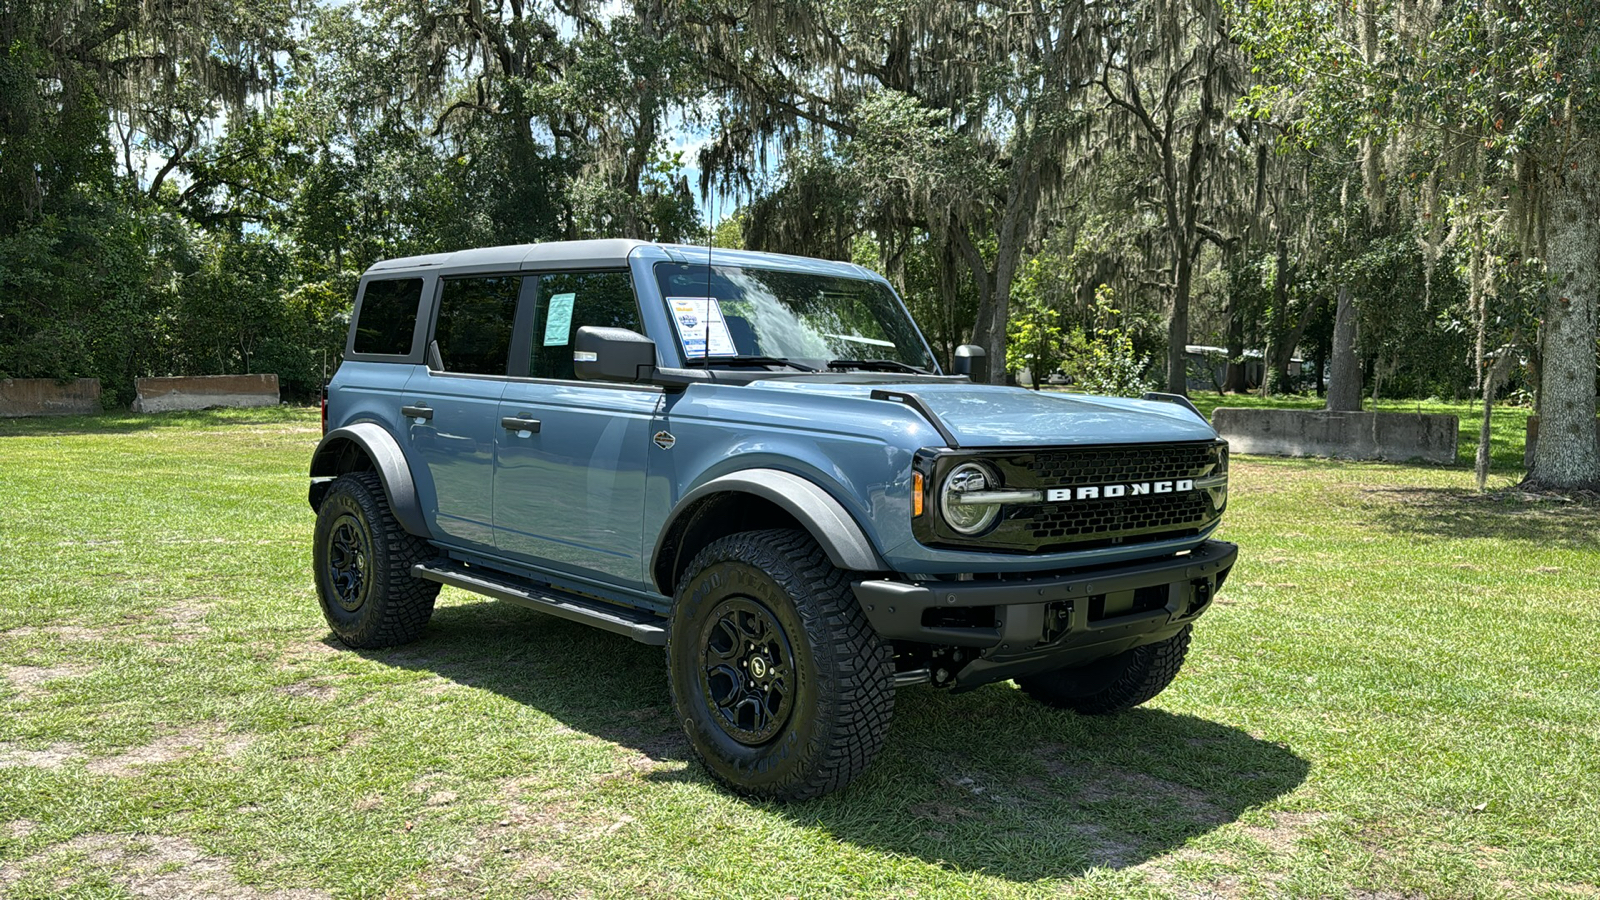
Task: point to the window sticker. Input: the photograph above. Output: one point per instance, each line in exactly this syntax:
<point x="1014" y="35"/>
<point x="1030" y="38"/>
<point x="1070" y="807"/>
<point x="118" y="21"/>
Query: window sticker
<point x="558" y="320"/>
<point x="700" y="322"/>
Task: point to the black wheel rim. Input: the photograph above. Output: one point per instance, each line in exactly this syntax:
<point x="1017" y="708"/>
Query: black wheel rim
<point x="349" y="562"/>
<point x="746" y="671"/>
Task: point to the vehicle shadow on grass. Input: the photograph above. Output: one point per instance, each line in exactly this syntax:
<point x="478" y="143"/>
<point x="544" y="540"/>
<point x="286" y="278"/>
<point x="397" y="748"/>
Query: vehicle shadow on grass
<point x="986" y="780"/>
<point x="1510" y="515"/>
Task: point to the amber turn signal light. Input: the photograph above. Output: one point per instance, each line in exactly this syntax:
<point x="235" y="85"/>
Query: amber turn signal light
<point x="916" y="494"/>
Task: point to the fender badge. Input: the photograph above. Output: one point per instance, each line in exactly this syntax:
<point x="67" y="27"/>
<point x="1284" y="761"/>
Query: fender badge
<point x="665" y="440"/>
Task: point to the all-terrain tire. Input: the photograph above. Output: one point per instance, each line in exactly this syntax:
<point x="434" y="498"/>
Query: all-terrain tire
<point x="1115" y="683"/>
<point x="821" y="720"/>
<point x="362" y="562"/>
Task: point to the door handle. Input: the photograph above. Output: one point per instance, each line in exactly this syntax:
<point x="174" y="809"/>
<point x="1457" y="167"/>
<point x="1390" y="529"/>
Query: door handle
<point x="517" y="424"/>
<point x="417" y="412"/>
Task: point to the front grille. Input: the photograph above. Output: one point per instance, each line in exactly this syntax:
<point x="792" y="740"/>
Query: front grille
<point x="1094" y="522"/>
<point x="1057" y="523"/>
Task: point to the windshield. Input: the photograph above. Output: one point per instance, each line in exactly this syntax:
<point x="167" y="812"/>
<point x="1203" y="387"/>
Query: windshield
<point x="787" y="315"/>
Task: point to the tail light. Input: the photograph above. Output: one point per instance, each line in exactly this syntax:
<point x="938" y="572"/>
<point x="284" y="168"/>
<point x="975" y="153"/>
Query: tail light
<point x="324" y="410"/>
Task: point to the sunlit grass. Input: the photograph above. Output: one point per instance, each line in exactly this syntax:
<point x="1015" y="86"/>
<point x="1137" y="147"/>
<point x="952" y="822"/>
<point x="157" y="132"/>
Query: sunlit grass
<point x="1396" y="695"/>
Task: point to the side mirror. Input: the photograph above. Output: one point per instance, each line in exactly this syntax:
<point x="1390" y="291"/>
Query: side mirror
<point x="972" y="361"/>
<point x="612" y="354"/>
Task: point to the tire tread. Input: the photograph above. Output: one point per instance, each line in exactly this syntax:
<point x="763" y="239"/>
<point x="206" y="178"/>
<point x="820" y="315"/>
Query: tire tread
<point x="858" y="666"/>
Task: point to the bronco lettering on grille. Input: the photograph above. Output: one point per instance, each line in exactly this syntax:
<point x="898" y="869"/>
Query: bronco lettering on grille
<point x="1112" y="491"/>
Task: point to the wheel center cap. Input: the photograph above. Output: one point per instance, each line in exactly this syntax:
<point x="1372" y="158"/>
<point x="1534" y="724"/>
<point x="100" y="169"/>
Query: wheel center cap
<point x="758" y="667"/>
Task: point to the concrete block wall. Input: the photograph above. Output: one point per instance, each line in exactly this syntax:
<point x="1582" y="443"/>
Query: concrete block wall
<point x="1347" y="435"/>
<point x="48" y="397"/>
<point x="204" y="392"/>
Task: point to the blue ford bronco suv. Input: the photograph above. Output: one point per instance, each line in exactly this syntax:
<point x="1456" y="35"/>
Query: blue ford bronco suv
<point x="756" y="462"/>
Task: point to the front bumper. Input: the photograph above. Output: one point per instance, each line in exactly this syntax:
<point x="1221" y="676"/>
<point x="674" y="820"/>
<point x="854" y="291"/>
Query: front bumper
<point x="1004" y="629"/>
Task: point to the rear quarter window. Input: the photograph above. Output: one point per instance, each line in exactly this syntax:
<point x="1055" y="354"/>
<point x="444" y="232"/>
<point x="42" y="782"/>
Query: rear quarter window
<point x="387" y="316"/>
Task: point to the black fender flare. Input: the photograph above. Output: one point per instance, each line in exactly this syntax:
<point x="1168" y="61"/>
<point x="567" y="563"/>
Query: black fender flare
<point x="840" y="537"/>
<point x="374" y="441"/>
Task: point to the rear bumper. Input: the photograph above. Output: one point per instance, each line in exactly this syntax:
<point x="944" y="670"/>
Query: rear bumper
<point x="1004" y="629"/>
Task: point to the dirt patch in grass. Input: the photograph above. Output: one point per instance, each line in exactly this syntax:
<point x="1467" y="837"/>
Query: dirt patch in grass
<point x="433" y="782"/>
<point x="1169" y="873"/>
<point x="1105" y="784"/>
<point x="20" y="829"/>
<point x="159" y="867"/>
<point x="186" y="621"/>
<point x="549" y="811"/>
<point x="1549" y="888"/>
<point x="309" y="689"/>
<point x="31" y="681"/>
<point x="65" y="633"/>
<point x="170" y="748"/>
<point x="438" y="686"/>
<point x="52" y="757"/>
<point x="301" y="653"/>
<point x="1286" y="830"/>
<point x="1107" y="848"/>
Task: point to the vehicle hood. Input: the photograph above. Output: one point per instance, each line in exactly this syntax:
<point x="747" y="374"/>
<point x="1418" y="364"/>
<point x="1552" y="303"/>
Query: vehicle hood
<point x="980" y="415"/>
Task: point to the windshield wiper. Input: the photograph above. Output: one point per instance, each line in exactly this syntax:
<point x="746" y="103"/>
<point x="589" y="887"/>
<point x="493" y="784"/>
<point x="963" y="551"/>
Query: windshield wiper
<point x="877" y="365"/>
<point x="749" y="360"/>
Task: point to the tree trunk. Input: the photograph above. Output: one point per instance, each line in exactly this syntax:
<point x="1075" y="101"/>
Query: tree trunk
<point x="1275" y="361"/>
<point x="994" y="287"/>
<point x="1491" y="383"/>
<point x="996" y="345"/>
<point x="1236" y="381"/>
<point x="1566" y="456"/>
<point x="1344" y="380"/>
<point x="1178" y="328"/>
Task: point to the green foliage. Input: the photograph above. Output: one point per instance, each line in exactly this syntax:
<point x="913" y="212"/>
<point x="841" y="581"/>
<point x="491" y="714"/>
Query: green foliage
<point x="1104" y="361"/>
<point x="185" y="189"/>
<point x="1036" y="340"/>
<point x="195" y="187"/>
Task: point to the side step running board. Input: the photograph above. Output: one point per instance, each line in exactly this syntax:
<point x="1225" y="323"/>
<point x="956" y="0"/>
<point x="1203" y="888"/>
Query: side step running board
<point x="641" y="626"/>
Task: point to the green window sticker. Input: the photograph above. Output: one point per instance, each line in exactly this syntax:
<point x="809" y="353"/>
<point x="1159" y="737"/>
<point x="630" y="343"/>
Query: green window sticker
<point x="558" y="320"/>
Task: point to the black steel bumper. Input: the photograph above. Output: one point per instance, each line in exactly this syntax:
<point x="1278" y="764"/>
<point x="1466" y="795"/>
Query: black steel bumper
<point x="1025" y="625"/>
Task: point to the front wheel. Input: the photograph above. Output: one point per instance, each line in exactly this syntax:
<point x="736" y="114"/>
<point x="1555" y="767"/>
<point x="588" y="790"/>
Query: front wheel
<point x="1115" y="683"/>
<point x="782" y="686"/>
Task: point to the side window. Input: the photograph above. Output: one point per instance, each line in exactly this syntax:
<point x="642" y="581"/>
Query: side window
<point x="569" y="302"/>
<point x="474" y="324"/>
<point x="388" y="315"/>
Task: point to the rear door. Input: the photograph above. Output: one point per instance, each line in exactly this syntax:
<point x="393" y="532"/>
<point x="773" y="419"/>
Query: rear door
<point x="569" y="491"/>
<point x="451" y="412"/>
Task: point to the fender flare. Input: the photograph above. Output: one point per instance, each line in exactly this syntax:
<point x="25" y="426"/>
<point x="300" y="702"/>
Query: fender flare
<point x="840" y="537"/>
<point x="388" y="460"/>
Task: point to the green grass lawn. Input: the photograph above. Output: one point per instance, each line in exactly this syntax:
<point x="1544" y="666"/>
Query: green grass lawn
<point x="1395" y="697"/>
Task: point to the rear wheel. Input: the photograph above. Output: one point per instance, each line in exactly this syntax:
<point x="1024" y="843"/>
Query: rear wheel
<point x="362" y="560"/>
<point x="782" y="686"/>
<point x="1115" y="683"/>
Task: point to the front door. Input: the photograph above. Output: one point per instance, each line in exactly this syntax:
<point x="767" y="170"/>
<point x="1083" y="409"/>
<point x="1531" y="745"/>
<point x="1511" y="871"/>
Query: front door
<point x="451" y="412"/>
<point x="569" y="487"/>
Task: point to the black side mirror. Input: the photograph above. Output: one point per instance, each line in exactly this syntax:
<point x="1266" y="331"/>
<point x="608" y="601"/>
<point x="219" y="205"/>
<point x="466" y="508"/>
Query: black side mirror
<point x="972" y="361"/>
<point x="613" y="354"/>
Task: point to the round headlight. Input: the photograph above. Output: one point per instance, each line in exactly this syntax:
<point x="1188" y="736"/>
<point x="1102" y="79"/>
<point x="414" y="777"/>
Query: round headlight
<point x="966" y="517"/>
